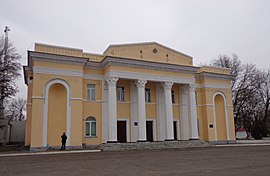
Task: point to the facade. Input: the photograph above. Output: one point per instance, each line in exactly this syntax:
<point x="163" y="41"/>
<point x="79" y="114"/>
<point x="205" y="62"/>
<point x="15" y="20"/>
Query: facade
<point x="130" y="93"/>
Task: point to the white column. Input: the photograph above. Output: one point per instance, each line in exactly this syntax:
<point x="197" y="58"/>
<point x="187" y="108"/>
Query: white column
<point x="193" y="113"/>
<point x="168" y="110"/>
<point x="112" y="109"/>
<point x="141" y="110"/>
<point x="184" y="114"/>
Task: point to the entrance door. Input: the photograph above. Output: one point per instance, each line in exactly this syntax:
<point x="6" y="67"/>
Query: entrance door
<point x="149" y="131"/>
<point x="121" y="131"/>
<point x="175" y="130"/>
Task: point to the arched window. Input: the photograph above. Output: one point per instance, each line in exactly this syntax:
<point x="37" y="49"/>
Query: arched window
<point x="90" y="127"/>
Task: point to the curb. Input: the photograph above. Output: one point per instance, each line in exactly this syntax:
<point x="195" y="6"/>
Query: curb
<point x="49" y="153"/>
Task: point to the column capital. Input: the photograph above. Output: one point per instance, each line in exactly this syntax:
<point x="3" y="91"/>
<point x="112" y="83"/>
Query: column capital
<point x="185" y="89"/>
<point x="112" y="81"/>
<point x="168" y="85"/>
<point x="192" y="87"/>
<point x="141" y="83"/>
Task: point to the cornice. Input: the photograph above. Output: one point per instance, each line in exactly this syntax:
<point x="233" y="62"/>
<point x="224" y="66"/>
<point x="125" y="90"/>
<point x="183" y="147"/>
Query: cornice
<point x="37" y="56"/>
<point x="110" y="61"/>
<point x="214" y="76"/>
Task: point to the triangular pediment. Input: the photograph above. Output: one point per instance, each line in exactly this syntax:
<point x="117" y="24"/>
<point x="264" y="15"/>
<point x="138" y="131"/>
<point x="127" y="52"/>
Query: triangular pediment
<point x="151" y="51"/>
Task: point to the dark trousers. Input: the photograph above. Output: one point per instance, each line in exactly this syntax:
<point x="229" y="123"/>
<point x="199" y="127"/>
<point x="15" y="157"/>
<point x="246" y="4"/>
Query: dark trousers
<point x="63" y="147"/>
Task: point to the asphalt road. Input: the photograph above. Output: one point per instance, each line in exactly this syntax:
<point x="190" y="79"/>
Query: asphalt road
<point x="229" y="161"/>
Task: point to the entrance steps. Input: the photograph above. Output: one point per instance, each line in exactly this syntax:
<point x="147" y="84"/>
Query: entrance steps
<point x="152" y="145"/>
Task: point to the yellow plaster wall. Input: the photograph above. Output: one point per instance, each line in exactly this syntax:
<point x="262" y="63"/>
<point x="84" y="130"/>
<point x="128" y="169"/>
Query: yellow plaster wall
<point x="93" y="71"/>
<point x="176" y="105"/>
<point x="57" y="114"/>
<point x="58" y="65"/>
<point x="123" y="108"/>
<point x="44" y="48"/>
<point x="36" y="123"/>
<point x="206" y="112"/>
<point x="150" y="107"/>
<point x="92" y="109"/>
<point x="98" y="84"/>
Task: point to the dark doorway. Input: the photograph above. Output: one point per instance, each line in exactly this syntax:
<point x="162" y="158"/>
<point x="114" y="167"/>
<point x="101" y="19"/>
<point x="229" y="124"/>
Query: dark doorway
<point x="149" y="131"/>
<point x="175" y="130"/>
<point x="121" y="131"/>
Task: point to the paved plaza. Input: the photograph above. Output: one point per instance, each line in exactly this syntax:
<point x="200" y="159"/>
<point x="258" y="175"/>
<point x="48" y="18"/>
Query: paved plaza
<point x="240" y="160"/>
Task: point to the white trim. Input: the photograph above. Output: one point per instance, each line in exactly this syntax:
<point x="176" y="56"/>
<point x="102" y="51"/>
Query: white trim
<point x="54" y="71"/>
<point x="45" y="112"/>
<point x="226" y="115"/>
<point x="76" y="99"/>
<point x="199" y="105"/>
<point x="105" y="120"/>
<point x="37" y="97"/>
<point x="215" y="86"/>
<point x="154" y="128"/>
<point x="149" y="77"/>
<point x="94" y="101"/>
<point x="127" y="128"/>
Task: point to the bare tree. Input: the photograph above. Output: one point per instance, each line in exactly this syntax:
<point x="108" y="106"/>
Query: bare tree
<point x="251" y="94"/>
<point x="16" y="109"/>
<point x="9" y="71"/>
<point x="233" y="63"/>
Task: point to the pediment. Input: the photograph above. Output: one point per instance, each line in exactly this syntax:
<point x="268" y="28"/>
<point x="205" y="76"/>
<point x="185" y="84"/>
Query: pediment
<point x="152" y="51"/>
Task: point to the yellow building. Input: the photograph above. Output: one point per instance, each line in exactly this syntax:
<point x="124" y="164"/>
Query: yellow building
<point x="130" y="93"/>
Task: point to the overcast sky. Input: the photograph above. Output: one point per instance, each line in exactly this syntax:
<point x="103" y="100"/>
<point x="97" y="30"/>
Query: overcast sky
<point x="202" y="29"/>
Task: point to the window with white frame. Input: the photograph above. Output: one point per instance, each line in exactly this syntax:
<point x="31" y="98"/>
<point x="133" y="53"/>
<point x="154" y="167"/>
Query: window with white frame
<point x="120" y="93"/>
<point x="147" y="95"/>
<point x="91" y="91"/>
<point x="173" y="99"/>
<point x="90" y="127"/>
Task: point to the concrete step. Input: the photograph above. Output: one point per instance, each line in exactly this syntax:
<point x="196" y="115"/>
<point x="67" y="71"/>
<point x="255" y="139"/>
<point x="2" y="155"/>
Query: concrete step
<point x="152" y="145"/>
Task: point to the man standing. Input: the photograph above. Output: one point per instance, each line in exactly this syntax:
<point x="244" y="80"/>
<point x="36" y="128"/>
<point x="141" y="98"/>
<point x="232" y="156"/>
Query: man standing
<point x="64" y="140"/>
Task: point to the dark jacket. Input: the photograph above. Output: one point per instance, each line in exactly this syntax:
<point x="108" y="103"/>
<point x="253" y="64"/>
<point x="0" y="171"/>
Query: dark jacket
<point x="64" y="138"/>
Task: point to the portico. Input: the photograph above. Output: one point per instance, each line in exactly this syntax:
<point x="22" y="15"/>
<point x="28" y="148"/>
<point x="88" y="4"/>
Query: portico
<point x="164" y="107"/>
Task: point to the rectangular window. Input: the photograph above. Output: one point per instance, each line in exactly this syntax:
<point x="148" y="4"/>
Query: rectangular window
<point x="91" y="91"/>
<point x="120" y="93"/>
<point x="87" y="129"/>
<point x="147" y="95"/>
<point x="173" y="99"/>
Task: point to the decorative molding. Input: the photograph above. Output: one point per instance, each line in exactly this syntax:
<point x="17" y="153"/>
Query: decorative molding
<point x="112" y="81"/>
<point x="141" y="83"/>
